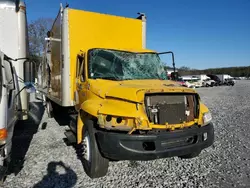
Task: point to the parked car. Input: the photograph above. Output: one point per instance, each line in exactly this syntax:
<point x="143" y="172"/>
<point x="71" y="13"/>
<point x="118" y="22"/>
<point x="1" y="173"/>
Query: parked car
<point x="208" y="82"/>
<point x="191" y="81"/>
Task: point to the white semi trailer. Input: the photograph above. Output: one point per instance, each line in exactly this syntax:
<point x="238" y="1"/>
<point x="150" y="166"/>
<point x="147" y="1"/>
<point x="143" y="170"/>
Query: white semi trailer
<point x="15" y="72"/>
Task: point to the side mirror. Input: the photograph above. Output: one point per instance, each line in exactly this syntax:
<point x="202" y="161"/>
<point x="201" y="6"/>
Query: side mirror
<point x="172" y="54"/>
<point x="29" y="68"/>
<point x="174" y="75"/>
<point x="48" y="34"/>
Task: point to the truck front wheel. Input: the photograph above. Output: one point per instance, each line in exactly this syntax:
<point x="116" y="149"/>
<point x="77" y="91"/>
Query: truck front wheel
<point x="94" y="164"/>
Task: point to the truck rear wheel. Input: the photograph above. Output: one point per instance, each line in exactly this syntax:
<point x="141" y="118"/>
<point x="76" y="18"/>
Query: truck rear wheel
<point x="94" y="164"/>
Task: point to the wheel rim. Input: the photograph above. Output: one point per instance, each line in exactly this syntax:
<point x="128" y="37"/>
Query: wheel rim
<point x="86" y="144"/>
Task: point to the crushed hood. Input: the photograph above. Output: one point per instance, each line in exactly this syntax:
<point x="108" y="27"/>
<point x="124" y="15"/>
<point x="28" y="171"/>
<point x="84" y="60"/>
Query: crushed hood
<point x="134" y="90"/>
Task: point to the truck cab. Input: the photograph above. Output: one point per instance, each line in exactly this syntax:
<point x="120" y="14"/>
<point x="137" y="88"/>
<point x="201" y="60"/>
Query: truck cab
<point x="13" y="60"/>
<point x="136" y="113"/>
<point x="8" y="104"/>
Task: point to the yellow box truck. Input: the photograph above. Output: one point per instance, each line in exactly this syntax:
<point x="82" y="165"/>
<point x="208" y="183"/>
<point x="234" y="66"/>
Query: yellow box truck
<point x="98" y="71"/>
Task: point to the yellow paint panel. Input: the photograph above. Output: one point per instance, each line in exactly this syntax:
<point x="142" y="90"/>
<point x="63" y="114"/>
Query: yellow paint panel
<point x="133" y="90"/>
<point x="90" y="29"/>
<point x="79" y="128"/>
<point x="119" y="108"/>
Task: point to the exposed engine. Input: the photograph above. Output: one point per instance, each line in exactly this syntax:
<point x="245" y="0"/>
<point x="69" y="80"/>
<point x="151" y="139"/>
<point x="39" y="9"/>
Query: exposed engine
<point x="171" y="108"/>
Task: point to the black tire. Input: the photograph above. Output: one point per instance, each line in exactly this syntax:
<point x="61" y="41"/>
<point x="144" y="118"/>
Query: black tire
<point x="4" y="171"/>
<point x="2" y="175"/>
<point x="97" y="166"/>
<point x="190" y="155"/>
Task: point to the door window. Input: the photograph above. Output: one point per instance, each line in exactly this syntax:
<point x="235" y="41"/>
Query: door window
<point x="80" y="68"/>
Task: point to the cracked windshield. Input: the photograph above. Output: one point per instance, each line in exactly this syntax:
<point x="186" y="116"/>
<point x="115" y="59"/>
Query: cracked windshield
<point x="121" y="65"/>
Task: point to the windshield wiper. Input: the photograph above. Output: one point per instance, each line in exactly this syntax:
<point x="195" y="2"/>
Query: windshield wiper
<point x="108" y="78"/>
<point x="128" y="79"/>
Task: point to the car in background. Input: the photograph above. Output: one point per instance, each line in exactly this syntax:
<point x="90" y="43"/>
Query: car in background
<point x="208" y="82"/>
<point x="192" y="81"/>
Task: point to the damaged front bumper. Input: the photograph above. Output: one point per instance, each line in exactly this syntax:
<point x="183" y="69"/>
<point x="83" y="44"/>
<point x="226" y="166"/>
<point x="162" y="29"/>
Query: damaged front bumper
<point x="148" y="147"/>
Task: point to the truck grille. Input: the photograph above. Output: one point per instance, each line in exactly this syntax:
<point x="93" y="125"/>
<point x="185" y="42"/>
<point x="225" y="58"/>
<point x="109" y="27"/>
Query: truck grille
<point x="171" y="108"/>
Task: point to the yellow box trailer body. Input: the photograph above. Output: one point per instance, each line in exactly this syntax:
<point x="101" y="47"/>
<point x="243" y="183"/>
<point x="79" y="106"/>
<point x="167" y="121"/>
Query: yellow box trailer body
<point x="77" y="30"/>
<point x="94" y="30"/>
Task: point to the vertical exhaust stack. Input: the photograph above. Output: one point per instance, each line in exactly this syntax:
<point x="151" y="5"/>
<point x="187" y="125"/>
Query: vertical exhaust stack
<point x="144" y="28"/>
<point x="22" y="52"/>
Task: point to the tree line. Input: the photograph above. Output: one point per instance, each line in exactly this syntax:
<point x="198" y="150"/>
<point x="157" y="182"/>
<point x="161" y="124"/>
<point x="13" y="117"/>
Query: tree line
<point x="37" y="32"/>
<point x="243" y="71"/>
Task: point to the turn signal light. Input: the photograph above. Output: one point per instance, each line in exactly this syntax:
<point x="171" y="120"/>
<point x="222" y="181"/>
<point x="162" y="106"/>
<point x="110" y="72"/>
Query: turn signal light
<point x="3" y="134"/>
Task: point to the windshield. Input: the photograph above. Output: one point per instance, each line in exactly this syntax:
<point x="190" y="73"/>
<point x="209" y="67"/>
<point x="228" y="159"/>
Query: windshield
<point x="121" y="65"/>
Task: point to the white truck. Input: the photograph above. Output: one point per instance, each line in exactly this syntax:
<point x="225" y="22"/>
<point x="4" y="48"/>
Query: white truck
<point x="192" y="81"/>
<point x="226" y="79"/>
<point x="15" y="72"/>
<point x="204" y="80"/>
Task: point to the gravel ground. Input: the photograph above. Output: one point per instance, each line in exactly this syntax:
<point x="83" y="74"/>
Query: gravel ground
<point x="42" y="159"/>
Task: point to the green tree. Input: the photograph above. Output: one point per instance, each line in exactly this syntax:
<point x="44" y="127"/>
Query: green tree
<point x="37" y="31"/>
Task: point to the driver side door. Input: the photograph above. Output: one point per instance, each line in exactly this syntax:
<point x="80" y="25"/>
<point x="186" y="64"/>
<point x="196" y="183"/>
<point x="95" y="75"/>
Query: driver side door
<point x="81" y="81"/>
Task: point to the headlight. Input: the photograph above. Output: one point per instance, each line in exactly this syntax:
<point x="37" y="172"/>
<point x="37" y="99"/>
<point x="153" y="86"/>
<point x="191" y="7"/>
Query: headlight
<point x="111" y="122"/>
<point x="207" y="118"/>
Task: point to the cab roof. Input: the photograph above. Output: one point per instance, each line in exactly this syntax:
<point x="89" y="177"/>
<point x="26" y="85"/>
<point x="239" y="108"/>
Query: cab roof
<point x="139" y="50"/>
